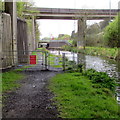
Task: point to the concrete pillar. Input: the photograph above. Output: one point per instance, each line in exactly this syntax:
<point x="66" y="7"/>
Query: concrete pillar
<point x="36" y="42"/>
<point x="33" y="33"/>
<point x="10" y="7"/>
<point x="81" y="32"/>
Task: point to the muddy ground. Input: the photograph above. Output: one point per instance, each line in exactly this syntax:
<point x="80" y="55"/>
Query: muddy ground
<point x="33" y="99"/>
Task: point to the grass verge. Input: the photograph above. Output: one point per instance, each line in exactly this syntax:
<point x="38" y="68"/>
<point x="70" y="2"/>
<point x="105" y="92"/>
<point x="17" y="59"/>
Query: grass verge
<point x="77" y="97"/>
<point x="9" y="80"/>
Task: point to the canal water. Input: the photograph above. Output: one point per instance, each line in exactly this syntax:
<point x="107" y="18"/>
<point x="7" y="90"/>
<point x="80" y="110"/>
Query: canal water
<point x="111" y="67"/>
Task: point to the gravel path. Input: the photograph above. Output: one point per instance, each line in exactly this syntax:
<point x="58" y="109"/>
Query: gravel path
<point x="32" y="99"/>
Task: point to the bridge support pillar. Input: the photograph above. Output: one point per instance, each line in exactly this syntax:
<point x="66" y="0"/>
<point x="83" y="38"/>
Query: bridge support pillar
<point x="10" y="8"/>
<point x="34" y="32"/>
<point x="81" y="32"/>
<point x="36" y="41"/>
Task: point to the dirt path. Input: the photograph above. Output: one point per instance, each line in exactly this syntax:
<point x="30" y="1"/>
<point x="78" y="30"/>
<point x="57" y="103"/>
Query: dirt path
<point x="32" y="99"/>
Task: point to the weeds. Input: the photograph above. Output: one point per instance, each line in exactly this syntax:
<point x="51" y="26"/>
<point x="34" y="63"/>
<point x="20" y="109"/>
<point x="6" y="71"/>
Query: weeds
<point x="101" y="78"/>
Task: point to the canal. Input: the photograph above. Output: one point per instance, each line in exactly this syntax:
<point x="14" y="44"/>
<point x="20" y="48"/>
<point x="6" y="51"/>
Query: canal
<point x="111" y="67"/>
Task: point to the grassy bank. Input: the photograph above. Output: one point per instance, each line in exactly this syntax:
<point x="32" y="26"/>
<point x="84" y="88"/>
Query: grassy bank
<point x="111" y="53"/>
<point x="9" y="80"/>
<point x="78" y="97"/>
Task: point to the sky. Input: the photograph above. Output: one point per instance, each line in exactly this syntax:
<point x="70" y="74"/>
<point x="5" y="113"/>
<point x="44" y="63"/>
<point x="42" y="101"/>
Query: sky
<point x="51" y="28"/>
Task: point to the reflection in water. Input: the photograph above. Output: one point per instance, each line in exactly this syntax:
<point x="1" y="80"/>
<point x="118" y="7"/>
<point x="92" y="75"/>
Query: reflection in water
<point x="100" y="64"/>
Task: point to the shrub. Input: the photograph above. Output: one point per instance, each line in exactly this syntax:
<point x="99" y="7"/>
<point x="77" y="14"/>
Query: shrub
<point x="101" y="78"/>
<point x="112" y="34"/>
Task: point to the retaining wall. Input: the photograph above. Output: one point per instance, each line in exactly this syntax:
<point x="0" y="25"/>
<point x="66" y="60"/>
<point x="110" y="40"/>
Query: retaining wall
<point x="6" y="46"/>
<point x="25" y="42"/>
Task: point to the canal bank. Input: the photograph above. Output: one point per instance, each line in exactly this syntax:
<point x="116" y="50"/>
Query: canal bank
<point x="101" y="64"/>
<point x="111" y="53"/>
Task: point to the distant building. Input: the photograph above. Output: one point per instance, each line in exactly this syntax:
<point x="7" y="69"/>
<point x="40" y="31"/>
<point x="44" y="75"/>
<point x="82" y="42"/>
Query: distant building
<point x="53" y="44"/>
<point x="60" y="35"/>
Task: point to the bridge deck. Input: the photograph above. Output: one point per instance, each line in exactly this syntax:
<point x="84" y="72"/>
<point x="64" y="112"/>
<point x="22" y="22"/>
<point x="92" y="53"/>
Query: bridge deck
<point x="60" y="13"/>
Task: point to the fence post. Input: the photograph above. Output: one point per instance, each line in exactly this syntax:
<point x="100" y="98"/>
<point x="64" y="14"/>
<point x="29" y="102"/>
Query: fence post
<point x="63" y="59"/>
<point x="78" y="58"/>
<point x="43" y="59"/>
<point x="49" y="61"/>
<point x="74" y="61"/>
<point x="46" y="54"/>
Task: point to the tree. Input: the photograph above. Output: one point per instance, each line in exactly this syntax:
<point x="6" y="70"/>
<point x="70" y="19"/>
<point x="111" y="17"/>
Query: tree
<point x="64" y="37"/>
<point x="111" y="34"/>
<point x="94" y="35"/>
<point x="21" y="7"/>
<point x="104" y="23"/>
<point x="93" y="29"/>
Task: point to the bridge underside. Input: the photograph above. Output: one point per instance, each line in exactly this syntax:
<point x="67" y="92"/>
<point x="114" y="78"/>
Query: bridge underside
<point x="70" y="17"/>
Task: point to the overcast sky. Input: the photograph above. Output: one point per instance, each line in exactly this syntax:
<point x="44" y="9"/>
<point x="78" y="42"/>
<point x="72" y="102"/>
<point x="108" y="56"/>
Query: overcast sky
<point x="50" y="28"/>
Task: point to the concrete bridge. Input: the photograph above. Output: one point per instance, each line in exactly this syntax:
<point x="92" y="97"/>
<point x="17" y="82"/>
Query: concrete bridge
<point x="71" y="14"/>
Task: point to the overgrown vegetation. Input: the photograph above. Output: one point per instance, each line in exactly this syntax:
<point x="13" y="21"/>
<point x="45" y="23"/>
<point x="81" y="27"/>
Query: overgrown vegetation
<point x="81" y="96"/>
<point x="22" y="7"/>
<point x="101" y="79"/>
<point x="112" y="34"/>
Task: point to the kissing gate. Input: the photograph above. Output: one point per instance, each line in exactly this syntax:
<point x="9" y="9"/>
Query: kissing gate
<point x="39" y="60"/>
<point x="46" y="60"/>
